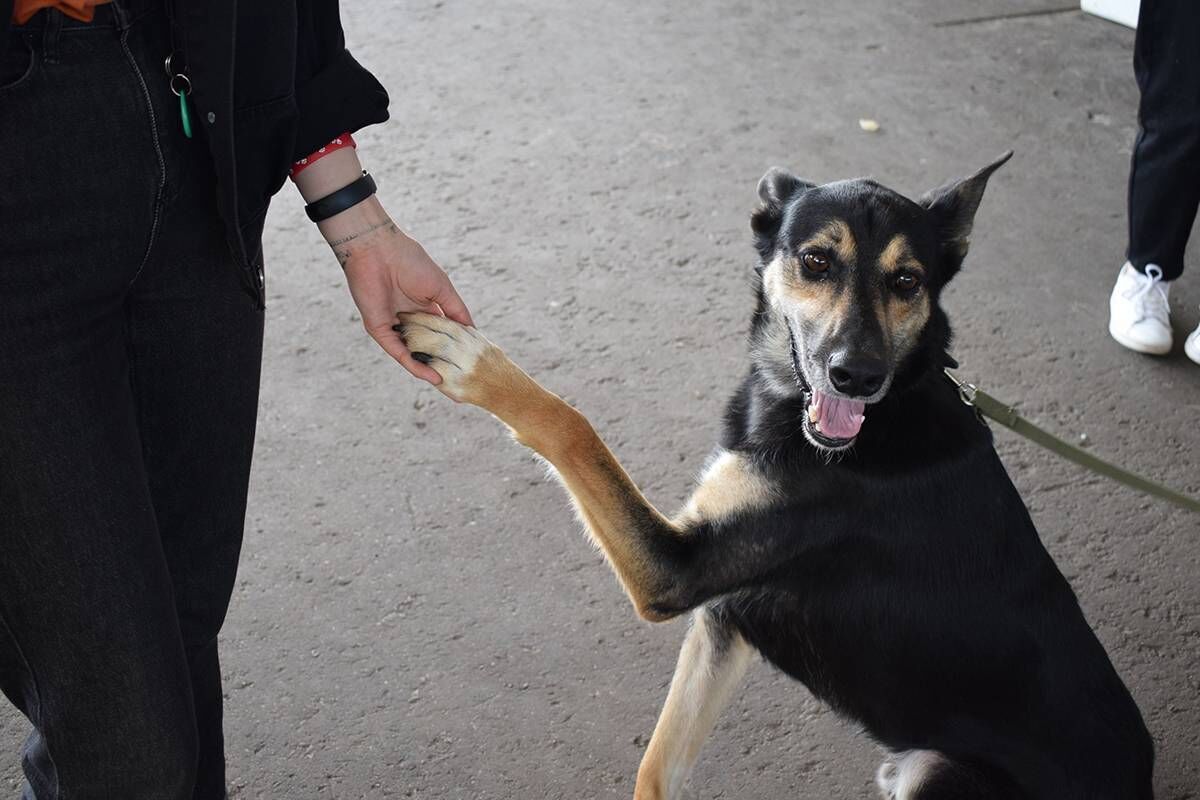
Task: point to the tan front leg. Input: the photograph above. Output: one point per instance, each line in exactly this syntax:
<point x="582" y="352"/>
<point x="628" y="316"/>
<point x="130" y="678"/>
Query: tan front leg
<point x="630" y="531"/>
<point x="711" y="664"/>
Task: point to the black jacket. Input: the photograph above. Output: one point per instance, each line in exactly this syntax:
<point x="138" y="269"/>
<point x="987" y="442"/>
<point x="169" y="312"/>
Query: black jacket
<point x="271" y="82"/>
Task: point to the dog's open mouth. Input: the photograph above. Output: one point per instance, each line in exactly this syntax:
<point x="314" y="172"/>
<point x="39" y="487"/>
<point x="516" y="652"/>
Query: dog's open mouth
<point x="834" y="421"/>
<point x="831" y="422"/>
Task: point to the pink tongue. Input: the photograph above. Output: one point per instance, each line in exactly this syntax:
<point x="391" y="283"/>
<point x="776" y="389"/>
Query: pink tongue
<point x="838" y="417"/>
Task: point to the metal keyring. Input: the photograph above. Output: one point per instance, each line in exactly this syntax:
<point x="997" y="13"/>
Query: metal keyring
<point x="185" y="88"/>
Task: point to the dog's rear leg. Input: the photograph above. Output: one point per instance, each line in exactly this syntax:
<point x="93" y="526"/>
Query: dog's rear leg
<point x="713" y="659"/>
<point x="929" y="775"/>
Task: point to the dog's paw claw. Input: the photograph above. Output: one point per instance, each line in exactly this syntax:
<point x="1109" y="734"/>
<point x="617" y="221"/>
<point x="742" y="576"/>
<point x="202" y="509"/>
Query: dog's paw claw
<point x="451" y="349"/>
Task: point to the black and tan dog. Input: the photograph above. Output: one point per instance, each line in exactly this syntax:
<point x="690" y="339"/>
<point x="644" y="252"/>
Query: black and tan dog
<point x="856" y="527"/>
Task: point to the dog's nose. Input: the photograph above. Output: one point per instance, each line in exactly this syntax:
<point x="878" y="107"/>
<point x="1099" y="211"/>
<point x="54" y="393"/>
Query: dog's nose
<point x="857" y="376"/>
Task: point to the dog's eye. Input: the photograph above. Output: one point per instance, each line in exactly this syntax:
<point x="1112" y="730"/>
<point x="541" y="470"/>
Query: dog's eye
<point x="815" y="262"/>
<point x="905" y="282"/>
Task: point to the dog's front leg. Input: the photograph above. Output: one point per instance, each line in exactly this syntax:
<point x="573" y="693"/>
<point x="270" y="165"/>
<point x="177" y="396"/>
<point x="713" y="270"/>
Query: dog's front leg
<point x="643" y="547"/>
<point x="712" y="661"/>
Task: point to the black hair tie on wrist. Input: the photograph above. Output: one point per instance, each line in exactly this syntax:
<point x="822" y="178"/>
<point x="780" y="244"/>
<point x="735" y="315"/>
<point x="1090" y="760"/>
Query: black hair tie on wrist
<point x="342" y="199"/>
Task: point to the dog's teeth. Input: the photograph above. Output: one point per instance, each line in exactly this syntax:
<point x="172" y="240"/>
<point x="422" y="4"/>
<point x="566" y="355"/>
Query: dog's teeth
<point x="813" y="414"/>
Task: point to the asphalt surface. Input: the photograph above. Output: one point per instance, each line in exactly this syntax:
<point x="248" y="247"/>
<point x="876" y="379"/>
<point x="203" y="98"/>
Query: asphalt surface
<point x="418" y="614"/>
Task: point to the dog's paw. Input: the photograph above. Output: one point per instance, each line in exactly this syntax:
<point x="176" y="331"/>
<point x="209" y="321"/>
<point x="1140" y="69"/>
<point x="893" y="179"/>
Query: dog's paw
<point x="901" y="776"/>
<point x="887" y="778"/>
<point x="454" y="351"/>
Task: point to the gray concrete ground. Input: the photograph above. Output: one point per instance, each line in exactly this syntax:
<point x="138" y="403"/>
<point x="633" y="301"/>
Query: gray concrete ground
<point x="418" y="614"/>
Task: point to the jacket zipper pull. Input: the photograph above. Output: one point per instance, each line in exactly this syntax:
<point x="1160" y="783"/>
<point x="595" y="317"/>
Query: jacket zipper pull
<point x="181" y="87"/>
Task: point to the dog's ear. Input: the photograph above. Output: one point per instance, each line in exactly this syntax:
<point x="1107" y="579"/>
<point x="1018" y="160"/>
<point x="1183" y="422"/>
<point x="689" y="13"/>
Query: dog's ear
<point x="775" y="190"/>
<point x="953" y="207"/>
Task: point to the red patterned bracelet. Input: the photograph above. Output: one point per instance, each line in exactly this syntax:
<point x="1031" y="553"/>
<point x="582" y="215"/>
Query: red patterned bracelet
<point x="345" y="140"/>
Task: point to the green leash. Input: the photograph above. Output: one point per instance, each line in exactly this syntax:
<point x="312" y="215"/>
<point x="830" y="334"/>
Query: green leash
<point x="1007" y="416"/>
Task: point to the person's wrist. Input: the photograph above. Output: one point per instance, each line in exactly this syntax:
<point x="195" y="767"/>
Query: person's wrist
<point x="343" y="199"/>
<point x="333" y="172"/>
<point x="358" y="220"/>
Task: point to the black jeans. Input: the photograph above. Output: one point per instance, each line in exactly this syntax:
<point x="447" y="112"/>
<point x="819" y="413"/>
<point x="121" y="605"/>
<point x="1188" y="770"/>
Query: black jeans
<point x="129" y="367"/>
<point x="1164" y="177"/>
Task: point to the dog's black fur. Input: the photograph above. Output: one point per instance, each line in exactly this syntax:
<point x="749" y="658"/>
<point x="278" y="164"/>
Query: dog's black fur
<point x="920" y="601"/>
<point x="895" y="572"/>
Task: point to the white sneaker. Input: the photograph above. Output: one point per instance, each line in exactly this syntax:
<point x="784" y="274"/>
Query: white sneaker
<point x="1192" y="346"/>
<point x="1139" y="314"/>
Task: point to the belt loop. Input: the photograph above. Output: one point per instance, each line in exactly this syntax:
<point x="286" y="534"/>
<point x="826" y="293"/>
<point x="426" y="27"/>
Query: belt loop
<point x="54" y="19"/>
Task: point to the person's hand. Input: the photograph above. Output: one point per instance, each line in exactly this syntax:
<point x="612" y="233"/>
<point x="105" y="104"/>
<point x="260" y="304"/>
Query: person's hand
<point x="387" y="271"/>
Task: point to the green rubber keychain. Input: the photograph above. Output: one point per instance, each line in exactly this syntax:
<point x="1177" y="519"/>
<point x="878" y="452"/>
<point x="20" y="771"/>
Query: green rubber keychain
<point x="181" y="87"/>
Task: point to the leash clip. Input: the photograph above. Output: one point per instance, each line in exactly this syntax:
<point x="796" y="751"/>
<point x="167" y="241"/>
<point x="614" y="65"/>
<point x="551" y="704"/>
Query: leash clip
<point x="987" y="406"/>
<point x="966" y="391"/>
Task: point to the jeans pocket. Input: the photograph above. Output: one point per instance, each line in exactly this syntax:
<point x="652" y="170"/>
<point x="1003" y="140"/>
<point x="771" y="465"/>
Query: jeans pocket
<point x="17" y="65"/>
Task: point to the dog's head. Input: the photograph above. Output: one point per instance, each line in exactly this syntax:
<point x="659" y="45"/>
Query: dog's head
<point x="850" y="277"/>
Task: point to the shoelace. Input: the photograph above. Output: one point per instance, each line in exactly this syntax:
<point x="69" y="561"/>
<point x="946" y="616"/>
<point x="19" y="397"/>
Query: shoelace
<point x="1151" y="303"/>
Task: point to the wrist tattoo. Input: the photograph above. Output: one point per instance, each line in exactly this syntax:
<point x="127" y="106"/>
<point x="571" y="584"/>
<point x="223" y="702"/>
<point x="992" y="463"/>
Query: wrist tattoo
<point x="344" y="252"/>
<point x="351" y="237"/>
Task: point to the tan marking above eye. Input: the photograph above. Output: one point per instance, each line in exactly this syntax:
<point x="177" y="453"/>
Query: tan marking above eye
<point x="898" y="255"/>
<point x="835" y="237"/>
<point x="846" y="247"/>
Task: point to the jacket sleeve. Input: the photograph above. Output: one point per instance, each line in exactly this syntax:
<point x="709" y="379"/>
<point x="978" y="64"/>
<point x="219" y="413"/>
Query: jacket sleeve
<point x="334" y="93"/>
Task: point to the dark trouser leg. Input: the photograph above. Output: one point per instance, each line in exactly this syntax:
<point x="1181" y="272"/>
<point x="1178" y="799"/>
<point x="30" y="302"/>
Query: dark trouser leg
<point x="1164" y="177"/>
<point x="90" y="648"/>
<point x="127" y="393"/>
<point x="196" y="337"/>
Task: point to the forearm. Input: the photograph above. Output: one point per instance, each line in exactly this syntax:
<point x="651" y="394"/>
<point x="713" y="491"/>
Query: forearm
<point x="326" y="176"/>
<point x="386" y="270"/>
